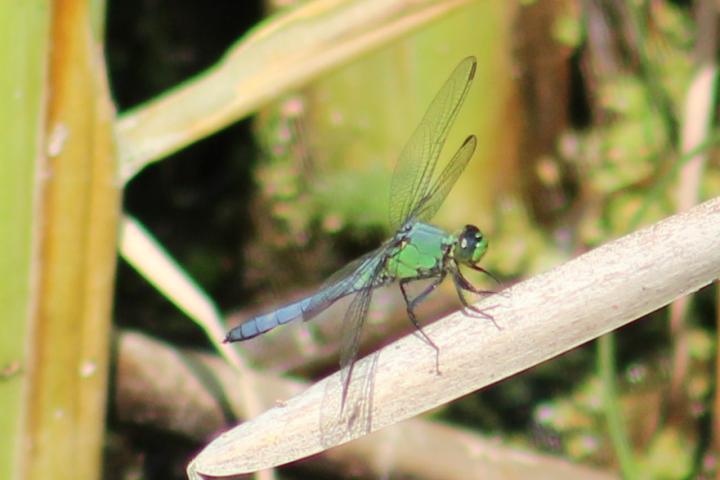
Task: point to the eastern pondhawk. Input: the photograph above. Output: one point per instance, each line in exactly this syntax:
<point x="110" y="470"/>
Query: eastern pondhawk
<point x="418" y="250"/>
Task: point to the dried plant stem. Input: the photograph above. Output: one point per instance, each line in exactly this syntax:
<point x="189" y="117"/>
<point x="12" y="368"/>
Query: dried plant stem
<point x="540" y="318"/>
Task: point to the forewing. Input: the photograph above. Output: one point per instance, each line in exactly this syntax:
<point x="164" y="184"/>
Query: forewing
<point x="411" y="179"/>
<point x="430" y="204"/>
<point x="343" y="282"/>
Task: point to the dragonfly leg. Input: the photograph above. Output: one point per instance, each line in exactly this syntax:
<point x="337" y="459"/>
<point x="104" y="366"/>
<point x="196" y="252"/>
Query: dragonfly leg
<point x="461" y="285"/>
<point x="482" y="270"/>
<point x="411" y="304"/>
<point x="464" y="283"/>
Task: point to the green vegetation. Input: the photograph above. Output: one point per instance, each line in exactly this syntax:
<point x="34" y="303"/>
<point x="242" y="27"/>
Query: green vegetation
<point x="593" y="119"/>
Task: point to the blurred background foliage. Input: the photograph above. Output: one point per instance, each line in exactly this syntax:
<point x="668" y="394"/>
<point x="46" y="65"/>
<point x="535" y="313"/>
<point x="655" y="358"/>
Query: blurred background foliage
<point x="578" y="106"/>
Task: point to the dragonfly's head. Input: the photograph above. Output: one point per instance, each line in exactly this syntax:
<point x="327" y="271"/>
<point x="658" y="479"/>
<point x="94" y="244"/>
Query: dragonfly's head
<point x="471" y="245"/>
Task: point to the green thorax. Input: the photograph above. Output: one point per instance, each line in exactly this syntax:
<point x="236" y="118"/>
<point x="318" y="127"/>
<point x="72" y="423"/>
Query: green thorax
<point x="421" y="251"/>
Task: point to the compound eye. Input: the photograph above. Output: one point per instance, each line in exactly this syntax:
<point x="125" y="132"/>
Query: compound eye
<point x="471" y="245"/>
<point x="471" y="235"/>
<point x="467" y="242"/>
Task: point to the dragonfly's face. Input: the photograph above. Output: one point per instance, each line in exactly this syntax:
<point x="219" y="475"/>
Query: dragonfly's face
<point x="471" y="245"/>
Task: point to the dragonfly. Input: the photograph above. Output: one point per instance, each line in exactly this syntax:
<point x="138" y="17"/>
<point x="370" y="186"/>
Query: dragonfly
<point x="417" y="251"/>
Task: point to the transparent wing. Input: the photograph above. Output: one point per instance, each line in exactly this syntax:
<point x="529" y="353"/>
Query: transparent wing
<point x="348" y="279"/>
<point x="411" y="179"/>
<point x="343" y="418"/>
<point x="350" y="337"/>
<point x="430" y="204"/>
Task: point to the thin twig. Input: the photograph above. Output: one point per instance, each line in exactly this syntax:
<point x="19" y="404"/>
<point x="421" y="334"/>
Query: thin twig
<point x="697" y="122"/>
<point x="617" y="431"/>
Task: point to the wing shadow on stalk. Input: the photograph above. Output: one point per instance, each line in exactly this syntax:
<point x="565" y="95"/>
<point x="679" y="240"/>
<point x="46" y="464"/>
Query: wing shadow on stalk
<point x="346" y="410"/>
